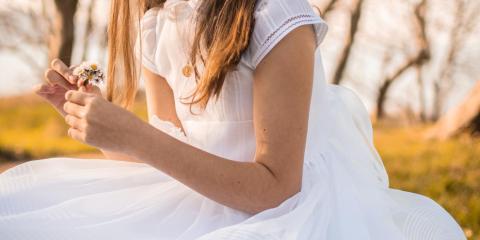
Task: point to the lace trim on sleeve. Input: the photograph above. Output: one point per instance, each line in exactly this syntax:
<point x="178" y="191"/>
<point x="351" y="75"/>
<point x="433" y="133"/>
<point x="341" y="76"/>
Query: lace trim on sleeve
<point x="285" y="28"/>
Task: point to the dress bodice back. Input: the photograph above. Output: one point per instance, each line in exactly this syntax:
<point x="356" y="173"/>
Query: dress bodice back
<point x="225" y="127"/>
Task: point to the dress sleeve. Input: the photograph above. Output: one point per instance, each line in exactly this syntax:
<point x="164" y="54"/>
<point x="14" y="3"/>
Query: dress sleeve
<point x="146" y="51"/>
<point x="274" y="19"/>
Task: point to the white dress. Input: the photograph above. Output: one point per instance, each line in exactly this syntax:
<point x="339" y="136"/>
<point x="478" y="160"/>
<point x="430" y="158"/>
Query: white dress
<point x="345" y="193"/>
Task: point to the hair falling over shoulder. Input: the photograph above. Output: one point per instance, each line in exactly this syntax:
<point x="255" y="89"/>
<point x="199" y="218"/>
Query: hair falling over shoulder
<point x="222" y="34"/>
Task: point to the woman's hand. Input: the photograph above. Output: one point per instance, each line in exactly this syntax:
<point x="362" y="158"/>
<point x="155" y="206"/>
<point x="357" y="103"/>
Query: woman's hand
<point x="59" y="79"/>
<point x="99" y="123"/>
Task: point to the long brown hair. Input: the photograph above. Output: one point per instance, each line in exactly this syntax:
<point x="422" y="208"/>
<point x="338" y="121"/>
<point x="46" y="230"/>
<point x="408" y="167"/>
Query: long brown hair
<point x="222" y="34"/>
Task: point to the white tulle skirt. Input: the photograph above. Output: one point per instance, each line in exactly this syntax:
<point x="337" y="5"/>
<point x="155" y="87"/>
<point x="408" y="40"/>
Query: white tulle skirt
<point x="66" y="198"/>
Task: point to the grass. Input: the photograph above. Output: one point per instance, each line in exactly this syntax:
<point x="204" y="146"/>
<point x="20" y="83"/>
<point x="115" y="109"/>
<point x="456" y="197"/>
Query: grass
<point x="446" y="171"/>
<point x="31" y="128"/>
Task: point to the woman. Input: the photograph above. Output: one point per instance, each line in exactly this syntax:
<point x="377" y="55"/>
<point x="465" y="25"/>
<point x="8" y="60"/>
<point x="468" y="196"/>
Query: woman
<point x="247" y="141"/>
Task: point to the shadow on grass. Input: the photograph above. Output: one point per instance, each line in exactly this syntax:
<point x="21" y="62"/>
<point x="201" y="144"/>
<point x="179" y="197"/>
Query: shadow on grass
<point x="7" y="155"/>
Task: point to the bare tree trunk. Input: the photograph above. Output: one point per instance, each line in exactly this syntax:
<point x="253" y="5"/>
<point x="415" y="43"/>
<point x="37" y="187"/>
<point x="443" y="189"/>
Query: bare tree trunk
<point x="62" y="39"/>
<point x="345" y="54"/>
<point x="464" y="25"/>
<point x="464" y="117"/>
<point x="385" y="87"/>
<point x="421" y="94"/>
<point x="417" y="61"/>
<point x="437" y="101"/>
<point x="382" y="96"/>
<point x="425" y="54"/>
<point x="475" y="126"/>
<point x="88" y="30"/>
<point x="446" y="73"/>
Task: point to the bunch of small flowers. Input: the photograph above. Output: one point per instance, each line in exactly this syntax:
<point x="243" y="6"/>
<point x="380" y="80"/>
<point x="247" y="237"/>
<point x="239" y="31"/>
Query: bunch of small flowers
<point x="89" y="73"/>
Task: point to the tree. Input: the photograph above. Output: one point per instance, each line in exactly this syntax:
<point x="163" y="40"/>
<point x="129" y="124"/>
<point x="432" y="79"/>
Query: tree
<point x="62" y="39"/>
<point x="88" y="29"/>
<point x="466" y="116"/>
<point x="53" y="36"/>
<point x="350" y="39"/>
<point x="465" y="21"/>
<point x="417" y="60"/>
<point x="16" y="24"/>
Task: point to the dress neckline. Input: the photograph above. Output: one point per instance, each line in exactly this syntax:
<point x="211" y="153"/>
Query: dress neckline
<point x="173" y="3"/>
<point x="179" y="9"/>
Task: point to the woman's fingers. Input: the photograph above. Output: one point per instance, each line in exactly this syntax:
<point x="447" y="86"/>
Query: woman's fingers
<point x="76" y="134"/>
<point x="63" y="70"/>
<point x="75" y="122"/>
<point x="74" y="109"/>
<point x="73" y="78"/>
<point x="43" y="89"/>
<point x="93" y="89"/>
<point x="55" y="78"/>
<point x="78" y="97"/>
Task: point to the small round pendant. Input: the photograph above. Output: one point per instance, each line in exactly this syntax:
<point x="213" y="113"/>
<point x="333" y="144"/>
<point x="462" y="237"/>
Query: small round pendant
<point x="187" y="71"/>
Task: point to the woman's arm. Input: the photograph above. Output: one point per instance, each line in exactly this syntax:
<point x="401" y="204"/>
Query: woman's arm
<point x="282" y="92"/>
<point x="160" y="102"/>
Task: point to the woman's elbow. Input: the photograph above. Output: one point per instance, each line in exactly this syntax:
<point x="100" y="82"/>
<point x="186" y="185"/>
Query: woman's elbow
<point x="274" y="198"/>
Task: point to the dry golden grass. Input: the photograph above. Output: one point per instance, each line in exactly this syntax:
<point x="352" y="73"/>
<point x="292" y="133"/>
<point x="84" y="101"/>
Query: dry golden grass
<point x="448" y="171"/>
<point x="31" y="128"/>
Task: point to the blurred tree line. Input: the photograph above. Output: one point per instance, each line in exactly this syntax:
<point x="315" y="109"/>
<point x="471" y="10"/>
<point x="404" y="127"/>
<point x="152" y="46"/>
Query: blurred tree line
<point x="52" y="27"/>
<point x="413" y="54"/>
<point x="435" y="69"/>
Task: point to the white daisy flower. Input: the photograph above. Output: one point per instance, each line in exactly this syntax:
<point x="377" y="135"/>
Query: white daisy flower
<point x="90" y="73"/>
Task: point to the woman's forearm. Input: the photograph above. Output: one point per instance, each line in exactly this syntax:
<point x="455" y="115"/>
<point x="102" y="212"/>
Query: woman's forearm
<point x="119" y="156"/>
<point x="247" y="186"/>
